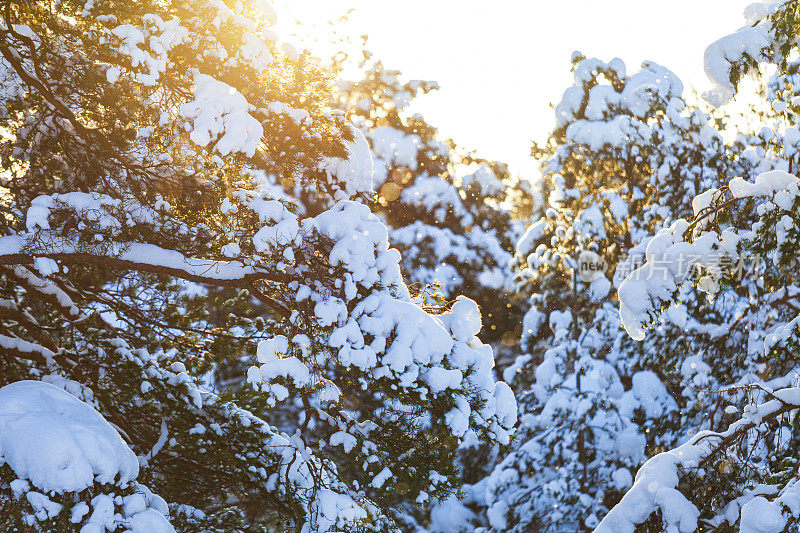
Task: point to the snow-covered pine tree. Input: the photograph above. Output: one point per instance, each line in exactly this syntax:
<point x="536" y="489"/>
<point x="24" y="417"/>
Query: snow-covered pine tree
<point x="448" y="211"/>
<point x="136" y="141"/>
<point x="740" y="472"/>
<point x="743" y="476"/>
<point x="450" y="215"/>
<point x="626" y="151"/>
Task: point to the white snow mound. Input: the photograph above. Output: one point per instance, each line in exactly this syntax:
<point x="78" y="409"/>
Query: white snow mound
<point x="357" y="170"/>
<point x="58" y="442"/>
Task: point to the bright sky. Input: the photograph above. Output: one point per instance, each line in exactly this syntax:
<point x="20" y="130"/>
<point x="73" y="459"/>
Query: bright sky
<point x="502" y="63"/>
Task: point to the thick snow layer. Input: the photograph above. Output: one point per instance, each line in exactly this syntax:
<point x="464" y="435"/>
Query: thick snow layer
<point x="654" y="281"/>
<point x="723" y="54"/>
<point x="430" y="354"/>
<point x="273" y="366"/>
<point x="97" y="208"/>
<point x="669" y="258"/>
<point x="765" y="184"/>
<point x="394" y="147"/>
<point x="534" y="232"/>
<point x="23" y="346"/>
<point x="39" y="212"/>
<point x="760" y="515"/>
<point x="704" y="200"/>
<point x="758" y="11"/>
<point x="355" y="172"/>
<point x="607" y="110"/>
<point x="451" y="516"/>
<point x="58" y="442"/>
<point x="337" y="511"/>
<point x="506" y="404"/>
<point x="637" y="95"/>
<point x="256" y="51"/>
<point x="298" y="116"/>
<point x="220" y="112"/>
<point x="156" y="34"/>
<point x="656" y="481"/>
<point x="484" y="180"/>
<point x="648" y="393"/>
